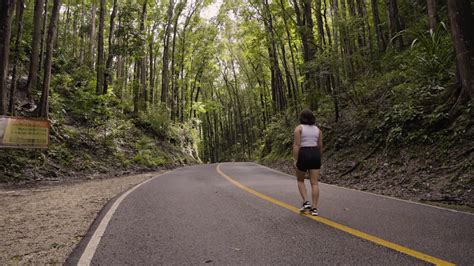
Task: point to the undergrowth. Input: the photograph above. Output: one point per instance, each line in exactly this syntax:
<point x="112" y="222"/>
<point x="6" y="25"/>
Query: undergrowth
<point x="404" y="102"/>
<point x="93" y="134"/>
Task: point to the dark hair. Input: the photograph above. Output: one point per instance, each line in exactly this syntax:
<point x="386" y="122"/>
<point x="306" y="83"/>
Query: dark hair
<point x="307" y="117"/>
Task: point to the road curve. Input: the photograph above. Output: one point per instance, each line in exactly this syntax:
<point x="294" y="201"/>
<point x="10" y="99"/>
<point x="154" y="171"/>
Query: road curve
<point x="196" y="215"/>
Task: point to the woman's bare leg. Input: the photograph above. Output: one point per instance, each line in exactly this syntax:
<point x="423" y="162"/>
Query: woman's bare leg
<point x="301" y="187"/>
<point x="313" y="178"/>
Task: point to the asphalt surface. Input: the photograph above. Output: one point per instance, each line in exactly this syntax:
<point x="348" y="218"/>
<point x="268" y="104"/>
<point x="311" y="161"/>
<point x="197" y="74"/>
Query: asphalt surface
<point x="194" y="215"/>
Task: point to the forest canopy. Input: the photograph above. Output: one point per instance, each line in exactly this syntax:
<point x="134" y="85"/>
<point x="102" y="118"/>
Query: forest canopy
<point x="237" y="73"/>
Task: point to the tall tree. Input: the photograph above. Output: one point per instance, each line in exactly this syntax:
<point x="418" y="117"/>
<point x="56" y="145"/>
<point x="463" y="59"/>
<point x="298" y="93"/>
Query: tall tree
<point x="100" y="50"/>
<point x="174" y="78"/>
<point x="461" y="20"/>
<point x="142" y="66"/>
<point x="305" y="26"/>
<point x="290" y="46"/>
<point x="319" y="22"/>
<point x="277" y="85"/>
<point x="20" y="7"/>
<point x="394" y="23"/>
<point x="6" y="14"/>
<point x="82" y="30"/>
<point x="433" y="18"/>
<point x="53" y="24"/>
<point x="35" y="47"/>
<point x="165" y="83"/>
<point x="92" y="32"/>
<point x="110" y="57"/>
<point x="44" y="36"/>
<point x="377" y="24"/>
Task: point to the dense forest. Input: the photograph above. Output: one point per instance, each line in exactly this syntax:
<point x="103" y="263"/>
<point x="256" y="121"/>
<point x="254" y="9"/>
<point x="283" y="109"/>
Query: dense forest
<point x="146" y="83"/>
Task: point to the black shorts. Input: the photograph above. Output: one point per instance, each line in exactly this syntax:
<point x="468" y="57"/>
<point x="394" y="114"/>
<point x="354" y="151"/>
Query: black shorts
<point x="309" y="158"/>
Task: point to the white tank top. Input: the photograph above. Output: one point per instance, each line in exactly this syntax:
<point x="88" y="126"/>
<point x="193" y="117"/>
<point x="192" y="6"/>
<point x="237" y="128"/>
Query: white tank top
<point x="309" y="136"/>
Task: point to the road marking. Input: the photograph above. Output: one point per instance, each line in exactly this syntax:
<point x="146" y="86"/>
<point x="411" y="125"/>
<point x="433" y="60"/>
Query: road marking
<point x="373" y="194"/>
<point x="91" y="247"/>
<point x="341" y="227"/>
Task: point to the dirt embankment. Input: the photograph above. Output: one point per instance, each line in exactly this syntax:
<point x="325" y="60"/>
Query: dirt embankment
<point x="42" y="225"/>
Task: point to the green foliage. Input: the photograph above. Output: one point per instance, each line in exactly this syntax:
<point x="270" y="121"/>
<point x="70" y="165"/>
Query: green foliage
<point x="278" y="137"/>
<point x="84" y="105"/>
<point x="157" y="120"/>
<point x="148" y="154"/>
<point x="398" y="120"/>
<point x="432" y="56"/>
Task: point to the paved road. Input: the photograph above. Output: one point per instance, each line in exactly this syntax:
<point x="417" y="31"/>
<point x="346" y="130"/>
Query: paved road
<point x="195" y="215"/>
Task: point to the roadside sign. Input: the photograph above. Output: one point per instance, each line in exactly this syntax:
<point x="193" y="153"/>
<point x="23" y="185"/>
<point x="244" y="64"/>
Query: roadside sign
<point x="22" y="132"/>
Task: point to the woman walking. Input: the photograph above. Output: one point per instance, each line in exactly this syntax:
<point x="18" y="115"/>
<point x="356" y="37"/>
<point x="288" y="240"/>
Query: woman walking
<point x="307" y="151"/>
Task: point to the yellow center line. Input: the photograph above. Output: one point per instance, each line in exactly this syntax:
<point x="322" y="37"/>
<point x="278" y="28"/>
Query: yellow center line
<point x="341" y="227"/>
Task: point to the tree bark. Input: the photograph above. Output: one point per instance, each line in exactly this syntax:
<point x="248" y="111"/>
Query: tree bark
<point x="141" y="63"/>
<point x="305" y="25"/>
<point x="43" y="111"/>
<point x="6" y="14"/>
<point x="319" y="20"/>
<point x="278" y="96"/>
<point x="92" y="35"/>
<point x="35" y="48"/>
<point x="433" y="18"/>
<point x="461" y="20"/>
<point x="378" y="28"/>
<point x="394" y="22"/>
<point x="44" y="36"/>
<point x="165" y="84"/>
<point x="81" y="53"/>
<point x="293" y="61"/>
<point x="174" y="89"/>
<point x="110" y="57"/>
<point x="100" y="67"/>
<point x="19" y="25"/>
<point x="184" y="83"/>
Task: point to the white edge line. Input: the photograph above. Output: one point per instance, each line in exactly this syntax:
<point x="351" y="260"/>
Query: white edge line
<point x="91" y="247"/>
<point x="374" y="194"/>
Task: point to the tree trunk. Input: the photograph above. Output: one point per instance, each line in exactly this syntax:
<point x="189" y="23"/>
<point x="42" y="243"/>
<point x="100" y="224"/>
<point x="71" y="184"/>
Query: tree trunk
<point x="319" y="20"/>
<point x="66" y="23"/>
<point x="326" y="24"/>
<point x="276" y="75"/>
<point x="43" y="111"/>
<point x="367" y="23"/>
<point x="44" y="36"/>
<point x="174" y="89"/>
<point x="394" y="22"/>
<point x="6" y="14"/>
<point x="92" y="35"/>
<point x="433" y="18"/>
<point x="151" y="63"/>
<point x="362" y="31"/>
<point x="81" y="53"/>
<point x="308" y="26"/>
<point x="165" y="84"/>
<point x="293" y="61"/>
<point x="19" y="25"/>
<point x="183" y="55"/>
<point x="461" y="20"/>
<point x="141" y="63"/>
<point x="35" y="47"/>
<point x="378" y="28"/>
<point x="100" y="67"/>
<point x="110" y="57"/>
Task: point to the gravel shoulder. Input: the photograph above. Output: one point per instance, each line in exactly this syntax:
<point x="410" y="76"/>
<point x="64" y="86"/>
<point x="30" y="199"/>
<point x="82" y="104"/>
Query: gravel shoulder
<point x="42" y="225"/>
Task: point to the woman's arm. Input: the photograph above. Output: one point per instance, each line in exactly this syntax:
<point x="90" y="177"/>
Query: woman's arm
<point x="296" y="142"/>
<point x="320" y="141"/>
